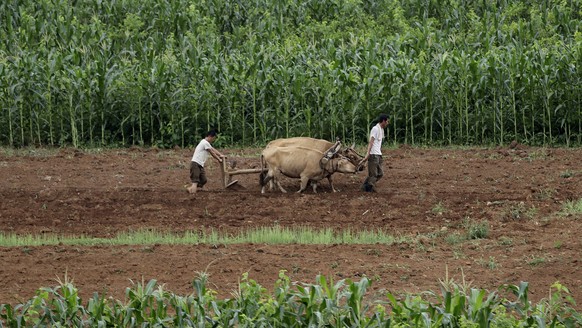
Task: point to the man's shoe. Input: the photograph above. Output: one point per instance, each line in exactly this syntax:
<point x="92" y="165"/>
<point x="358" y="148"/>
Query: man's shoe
<point x="367" y="187"/>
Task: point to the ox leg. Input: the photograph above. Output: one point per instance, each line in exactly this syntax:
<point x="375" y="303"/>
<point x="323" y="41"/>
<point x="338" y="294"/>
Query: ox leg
<point x="280" y="187"/>
<point x="277" y="178"/>
<point x="314" y="186"/>
<point x="267" y="178"/>
<point x="304" y="182"/>
<point x="331" y="184"/>
<point x="272" y="185"/>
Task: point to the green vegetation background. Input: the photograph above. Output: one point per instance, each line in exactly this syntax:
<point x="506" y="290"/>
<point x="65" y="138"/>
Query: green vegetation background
<point x="161" y="73"/>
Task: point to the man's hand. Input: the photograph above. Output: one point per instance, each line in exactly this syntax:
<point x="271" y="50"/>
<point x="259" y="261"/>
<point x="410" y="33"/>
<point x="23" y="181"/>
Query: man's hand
<point x="362" y="161"/>
<point x="216" y="154"/>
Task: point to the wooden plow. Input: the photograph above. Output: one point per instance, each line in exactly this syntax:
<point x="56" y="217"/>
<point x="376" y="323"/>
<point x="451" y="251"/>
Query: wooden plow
<point x="227" y="174"/>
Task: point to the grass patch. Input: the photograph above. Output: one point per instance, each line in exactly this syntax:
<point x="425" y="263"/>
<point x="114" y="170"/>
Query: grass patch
<point x="572" y="207"/>
<point x="520" y="211"/>
<point x="567" y="174"/>
<point x="476" y="230"/>
<point x="455" y="238"/>
<point x="42" y="152"/>
<point x="262" y="235"/>
<point x="545" y="194"/>
<point x="489" y="264"/>
<point x="28" y="152"/>
<point x="439" y="208"/>
<point x="535" y="261"/>
<point x="505" y="241"/>
<point x="538" y="154"/>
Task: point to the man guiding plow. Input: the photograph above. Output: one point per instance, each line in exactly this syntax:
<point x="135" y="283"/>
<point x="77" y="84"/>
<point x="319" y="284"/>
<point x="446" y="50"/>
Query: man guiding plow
<point x="197" y="172"/>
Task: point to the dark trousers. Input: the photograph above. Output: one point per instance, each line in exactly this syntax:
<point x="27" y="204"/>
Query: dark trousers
<point x="375" y="171"/>
<point x="197" y="174"/>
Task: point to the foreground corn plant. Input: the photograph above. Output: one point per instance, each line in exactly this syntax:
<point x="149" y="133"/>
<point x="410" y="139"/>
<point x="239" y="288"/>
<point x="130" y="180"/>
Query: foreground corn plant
<point x="323" y="304"/>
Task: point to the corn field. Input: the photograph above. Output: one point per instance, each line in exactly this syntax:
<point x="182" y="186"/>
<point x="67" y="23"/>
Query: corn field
<point x="161" y="73"/>
<point x="323" y="304"/>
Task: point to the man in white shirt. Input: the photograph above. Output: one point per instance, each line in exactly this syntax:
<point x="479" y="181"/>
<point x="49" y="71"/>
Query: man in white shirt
<point x="374" y="154"/>
<point x="197" y="173"/>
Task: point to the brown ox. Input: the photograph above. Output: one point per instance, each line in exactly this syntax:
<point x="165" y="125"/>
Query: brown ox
<point x="321" y="145"/>
<point x="304" y="163"/>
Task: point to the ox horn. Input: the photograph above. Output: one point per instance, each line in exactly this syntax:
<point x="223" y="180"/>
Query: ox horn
<point x="333" y="149"/>
<point x="331" y="152"/>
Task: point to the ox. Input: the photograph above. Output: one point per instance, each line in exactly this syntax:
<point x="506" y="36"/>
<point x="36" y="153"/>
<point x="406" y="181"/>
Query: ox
<point x="318" y="144"/>
<point x="321" y="145"/>
<point x="304" y="163"/>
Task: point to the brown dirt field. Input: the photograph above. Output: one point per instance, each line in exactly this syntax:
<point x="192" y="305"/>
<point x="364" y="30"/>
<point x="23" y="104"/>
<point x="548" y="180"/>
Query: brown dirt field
<point x="426" y="196"/>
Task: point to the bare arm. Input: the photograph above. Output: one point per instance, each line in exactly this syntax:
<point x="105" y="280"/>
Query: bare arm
<point x="216" y="154"/>
<point x="370" y="144"/>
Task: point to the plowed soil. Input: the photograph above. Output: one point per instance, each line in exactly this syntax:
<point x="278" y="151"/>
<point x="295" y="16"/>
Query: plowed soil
<point x="429" y="199"/>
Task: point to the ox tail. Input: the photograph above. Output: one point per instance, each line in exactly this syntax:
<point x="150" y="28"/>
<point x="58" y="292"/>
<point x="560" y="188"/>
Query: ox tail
<point x="263" y="174"/>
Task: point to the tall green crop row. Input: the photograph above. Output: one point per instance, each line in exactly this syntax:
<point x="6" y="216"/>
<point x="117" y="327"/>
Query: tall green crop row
<point x="161" y="72"/>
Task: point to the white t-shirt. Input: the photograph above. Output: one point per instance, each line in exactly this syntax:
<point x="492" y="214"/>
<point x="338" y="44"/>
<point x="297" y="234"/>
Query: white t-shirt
<point x="201" y="152"/>
<point x="378" y="134"/>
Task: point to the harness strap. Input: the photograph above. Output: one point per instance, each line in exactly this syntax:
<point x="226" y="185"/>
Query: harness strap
<point x="323" y="165"/>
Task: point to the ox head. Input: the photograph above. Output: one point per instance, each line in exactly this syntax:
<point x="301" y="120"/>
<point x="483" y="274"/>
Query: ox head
<point x="343" y="164"/>
<point x="353" y="156"/>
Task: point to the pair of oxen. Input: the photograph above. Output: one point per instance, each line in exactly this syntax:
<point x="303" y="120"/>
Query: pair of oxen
<point x="307" y="159"/>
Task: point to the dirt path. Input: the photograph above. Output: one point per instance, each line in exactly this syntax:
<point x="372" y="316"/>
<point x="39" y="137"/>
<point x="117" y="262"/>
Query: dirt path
<point x="429" y="198"/>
